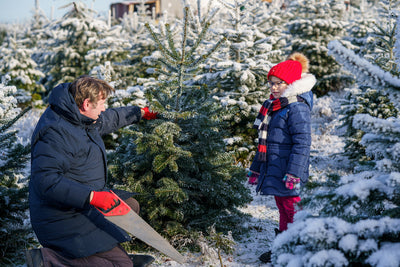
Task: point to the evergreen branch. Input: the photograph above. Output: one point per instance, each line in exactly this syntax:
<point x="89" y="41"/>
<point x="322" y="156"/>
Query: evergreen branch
<point x="6" y="137"/>
<point x="211" y="51"/>
<point x="199" y="39"/>
<point x="360" y="67"/>
<point x="169" y="74"/>
<point x="160" y="46"/>
<point x="171" y="42"/>
<point x="170" y="65"/>
<point x="185" y="29"/>
<point x="180" y="65"/>
<point x="11" y="122"/>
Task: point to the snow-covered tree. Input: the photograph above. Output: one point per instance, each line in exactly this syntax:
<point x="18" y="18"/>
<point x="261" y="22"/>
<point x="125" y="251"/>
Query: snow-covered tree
<point x="384" y="36"/>
<point x="132" y="68"/>
<point x="15" y="234"/>
<point x="78" y="42"/>
<point x="237" y="72"/>
<point x="3" y="33"/>
<point x="177" y="163"/>
<point x="360" y="27"/>
<point x="39" y="18"/>
<point x="366" y="101"/>
<point x="16" y="62"/>
<point x="317" y="23"/>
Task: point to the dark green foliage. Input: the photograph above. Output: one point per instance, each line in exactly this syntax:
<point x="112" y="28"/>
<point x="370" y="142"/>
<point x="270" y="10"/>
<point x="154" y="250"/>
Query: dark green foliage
<point x="366" y="101"/>
<point x="185" y="179"/>
<point x="3" y="35"/>
<point x="384" y="37"/>
<point x="177" y="163"/>
<point x="15" y="234"/>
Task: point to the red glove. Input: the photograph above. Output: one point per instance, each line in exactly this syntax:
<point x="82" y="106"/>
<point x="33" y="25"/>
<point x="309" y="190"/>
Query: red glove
<point x="103" y="199"/>
<point x="252" y="177"/>
<point x="149" y="115"/>
<point x="291" y="182"/>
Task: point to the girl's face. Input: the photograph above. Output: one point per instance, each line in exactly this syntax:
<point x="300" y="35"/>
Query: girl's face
<point x="277" y="86"/>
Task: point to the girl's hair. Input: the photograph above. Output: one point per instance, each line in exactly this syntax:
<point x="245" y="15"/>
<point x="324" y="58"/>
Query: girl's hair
<point x="89" y="87"/>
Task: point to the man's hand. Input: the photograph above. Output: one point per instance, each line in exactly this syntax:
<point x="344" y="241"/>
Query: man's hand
<point x="102" y="199"/>
<point x="147" y="114"/>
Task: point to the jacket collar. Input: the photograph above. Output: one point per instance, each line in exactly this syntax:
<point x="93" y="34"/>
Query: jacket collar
<point x="304" y="85"/>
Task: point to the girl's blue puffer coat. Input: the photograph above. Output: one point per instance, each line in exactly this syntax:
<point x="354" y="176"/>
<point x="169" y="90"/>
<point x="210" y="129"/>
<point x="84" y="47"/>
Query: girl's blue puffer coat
<point x="288" y="142"/>
<point x="68" y="162"/>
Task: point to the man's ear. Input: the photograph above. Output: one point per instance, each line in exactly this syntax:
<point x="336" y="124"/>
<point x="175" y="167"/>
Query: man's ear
<point x="85" y="105"/>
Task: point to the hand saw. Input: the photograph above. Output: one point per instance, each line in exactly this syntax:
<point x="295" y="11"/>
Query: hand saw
<point x="124" y="217"/>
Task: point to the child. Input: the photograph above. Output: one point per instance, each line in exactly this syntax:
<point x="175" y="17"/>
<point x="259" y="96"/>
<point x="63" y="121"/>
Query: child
<point x="284" y="127"/>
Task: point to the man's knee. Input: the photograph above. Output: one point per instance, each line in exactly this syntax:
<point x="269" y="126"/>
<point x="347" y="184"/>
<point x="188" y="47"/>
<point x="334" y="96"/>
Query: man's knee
<point x="134" y="204"/>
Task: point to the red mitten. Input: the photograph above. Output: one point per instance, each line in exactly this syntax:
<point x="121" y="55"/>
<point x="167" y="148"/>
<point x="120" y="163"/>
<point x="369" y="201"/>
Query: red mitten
<point x="252" y="177"/>
<point x="103" y="200"/>
<point x="291" y="182"/>
<point x="149" y="115"/>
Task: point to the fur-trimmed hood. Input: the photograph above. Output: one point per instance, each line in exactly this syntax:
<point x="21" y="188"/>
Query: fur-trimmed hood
<point x="302" y="88"/>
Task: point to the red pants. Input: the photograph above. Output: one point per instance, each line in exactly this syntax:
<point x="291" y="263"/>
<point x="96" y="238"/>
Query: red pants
<point x="286" y="207"/>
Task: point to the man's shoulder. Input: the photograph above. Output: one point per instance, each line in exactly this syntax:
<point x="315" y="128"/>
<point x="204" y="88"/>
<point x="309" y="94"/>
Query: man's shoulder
<point x="50" y="123"/>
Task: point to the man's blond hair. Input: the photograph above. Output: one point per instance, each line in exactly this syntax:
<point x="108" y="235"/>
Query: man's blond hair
<point x="89" y="87"/>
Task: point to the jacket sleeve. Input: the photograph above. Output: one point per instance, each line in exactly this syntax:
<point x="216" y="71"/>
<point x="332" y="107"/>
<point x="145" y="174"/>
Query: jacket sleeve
<point x="255" y="165"/>
<point x="49" y="162"/>
<point x="299" y="122"/>
<point x="115" y="118"/>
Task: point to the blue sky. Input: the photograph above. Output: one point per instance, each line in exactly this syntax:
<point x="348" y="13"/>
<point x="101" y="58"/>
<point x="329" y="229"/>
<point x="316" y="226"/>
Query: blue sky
<point x="12" y="11"/>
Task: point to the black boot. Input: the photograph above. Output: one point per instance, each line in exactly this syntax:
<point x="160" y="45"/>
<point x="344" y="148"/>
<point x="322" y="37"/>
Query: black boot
<point x="141" y="260"/>
<point x="34" y="258"/>
<point x="277" y="231"/>
<point x="265" y="257"/>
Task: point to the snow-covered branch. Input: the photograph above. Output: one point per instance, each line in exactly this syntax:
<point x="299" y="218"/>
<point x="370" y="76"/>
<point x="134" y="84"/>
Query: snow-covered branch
<point x="363" y="70"/>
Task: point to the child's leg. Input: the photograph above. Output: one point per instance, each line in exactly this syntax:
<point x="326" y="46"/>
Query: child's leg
<point x="286" y="207"/>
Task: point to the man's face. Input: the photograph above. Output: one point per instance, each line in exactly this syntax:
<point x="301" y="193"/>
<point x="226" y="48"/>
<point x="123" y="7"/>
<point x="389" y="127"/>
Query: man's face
<point x="93" y="110"/>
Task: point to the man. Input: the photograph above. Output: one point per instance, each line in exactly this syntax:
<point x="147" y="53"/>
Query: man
<point x="68" y="176"/>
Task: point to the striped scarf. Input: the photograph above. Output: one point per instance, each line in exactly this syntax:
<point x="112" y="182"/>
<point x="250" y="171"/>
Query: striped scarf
<point x="263" y="118"/>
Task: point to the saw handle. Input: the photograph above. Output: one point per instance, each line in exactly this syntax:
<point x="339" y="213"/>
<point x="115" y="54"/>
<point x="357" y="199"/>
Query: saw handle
<point x="119" y="208"/>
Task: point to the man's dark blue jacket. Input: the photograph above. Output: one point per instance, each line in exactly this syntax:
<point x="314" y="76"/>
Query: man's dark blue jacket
<point x="68" y="161"/>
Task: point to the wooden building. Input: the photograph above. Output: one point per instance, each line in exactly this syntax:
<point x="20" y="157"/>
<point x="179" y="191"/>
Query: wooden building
<point x="173" y="7"/>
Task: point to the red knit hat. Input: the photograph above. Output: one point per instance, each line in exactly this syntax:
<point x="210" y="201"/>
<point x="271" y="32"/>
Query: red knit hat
<point x="291" y="69"/>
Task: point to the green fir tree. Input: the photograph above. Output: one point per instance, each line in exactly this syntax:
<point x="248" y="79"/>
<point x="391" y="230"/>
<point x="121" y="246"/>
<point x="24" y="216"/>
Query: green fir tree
<point x="76" y="44"/>
<point x="16" y="62"/>
<point x="237" y="72"/>
<point x="317" y="23"/>
<point x="366" y="101"/>
<point x="384" y="36"/>
<point x="178" y="163"/>
<point x="15" y="233"/>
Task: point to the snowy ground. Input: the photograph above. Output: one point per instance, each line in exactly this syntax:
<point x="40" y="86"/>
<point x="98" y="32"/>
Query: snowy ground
<point x="327" y="142"/>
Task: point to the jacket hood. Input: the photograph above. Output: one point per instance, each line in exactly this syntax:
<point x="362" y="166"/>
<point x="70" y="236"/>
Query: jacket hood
<point x="302" y="88"/>
<point x="63" y="103"/>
